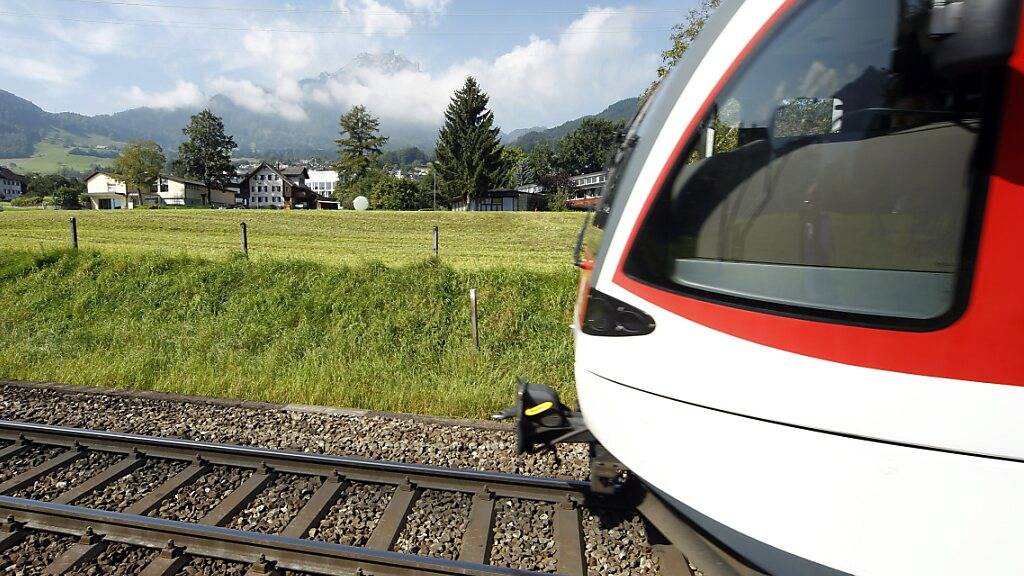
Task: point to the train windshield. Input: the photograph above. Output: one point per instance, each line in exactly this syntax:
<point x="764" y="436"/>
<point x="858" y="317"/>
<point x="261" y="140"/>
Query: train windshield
<point x="833" y="173"/>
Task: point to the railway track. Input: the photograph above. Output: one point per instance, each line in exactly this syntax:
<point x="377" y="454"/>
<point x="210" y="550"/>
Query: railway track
<point x="278" y="512"/>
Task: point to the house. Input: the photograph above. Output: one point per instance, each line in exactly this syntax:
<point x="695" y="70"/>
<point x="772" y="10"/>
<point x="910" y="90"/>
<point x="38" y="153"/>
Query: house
<point x="322" y="182"/>
<point x="11" y="185"/>
<point x="502" y="200"/>
<point x="268" y="187"/>
<point x="587" y="190"/>
<point x="106" y="192"/>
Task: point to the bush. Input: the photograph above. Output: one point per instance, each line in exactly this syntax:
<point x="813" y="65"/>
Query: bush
<point x="558" y="202"/>
<point x="27" y="201"/>
<point x="66" y="197"/>
<point x="391" y="193"/>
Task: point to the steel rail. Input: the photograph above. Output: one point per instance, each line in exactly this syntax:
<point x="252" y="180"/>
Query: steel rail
<point x="236" y="545"/>
<point x="502" y="485"/>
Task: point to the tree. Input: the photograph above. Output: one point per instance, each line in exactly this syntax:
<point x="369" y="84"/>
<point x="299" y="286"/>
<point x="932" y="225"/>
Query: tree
<point x="206" y="155"/>
<point x="589" y="146"/>
<point x="411" y="156"/>
<point x="514" y="166"/>
<point x="138" y="166"/>
<point x="541" y="161"/>
<point x="683" y="35"/>
<point x="67" y="197"/>
<point x="359" y="149"/>
<point x="392" y="193"/>
<point x="468" y="154"/>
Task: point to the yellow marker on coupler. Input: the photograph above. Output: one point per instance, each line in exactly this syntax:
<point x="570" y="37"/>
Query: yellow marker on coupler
<point x="539" y="408"/>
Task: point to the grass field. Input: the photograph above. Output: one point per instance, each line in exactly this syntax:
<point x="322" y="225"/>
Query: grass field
<point x="539" y="241"/>
<point x="51" y="154"/>
<point x="51" y="158"/>
<point x="370" y="336"/>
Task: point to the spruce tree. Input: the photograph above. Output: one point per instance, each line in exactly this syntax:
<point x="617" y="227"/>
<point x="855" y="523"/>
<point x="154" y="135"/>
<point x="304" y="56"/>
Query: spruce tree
<point x="206" y="155"/>
<point x="359" y="149"/>
<point x="468" y="149"/>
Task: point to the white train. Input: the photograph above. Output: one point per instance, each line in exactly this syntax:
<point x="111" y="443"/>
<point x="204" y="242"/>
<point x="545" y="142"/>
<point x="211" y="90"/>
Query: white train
<point x="801" y="317"/>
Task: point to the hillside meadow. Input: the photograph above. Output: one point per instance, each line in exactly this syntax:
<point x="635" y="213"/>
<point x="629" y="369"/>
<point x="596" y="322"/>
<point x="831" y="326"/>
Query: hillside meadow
<point x="339" y="309"/>
<point x="540" y="241"/>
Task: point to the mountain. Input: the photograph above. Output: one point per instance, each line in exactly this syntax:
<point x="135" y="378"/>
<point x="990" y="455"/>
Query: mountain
<point x="623" y="110"/>
<point x="510" y="137"/>
<point x="67" y="140"/>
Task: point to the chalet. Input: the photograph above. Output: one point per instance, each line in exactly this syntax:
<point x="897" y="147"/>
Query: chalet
<point x="268" y="187"/>
<point x="11" y="185"/>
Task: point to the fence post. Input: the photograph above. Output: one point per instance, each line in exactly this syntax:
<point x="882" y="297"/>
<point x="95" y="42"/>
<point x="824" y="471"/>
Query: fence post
<point x="245" y="240"/>
<point x="437" y="243"/>
<point x="73" y="223"/>
<point x="473" y="324"/>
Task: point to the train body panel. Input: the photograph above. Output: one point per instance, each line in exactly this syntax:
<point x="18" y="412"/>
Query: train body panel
<point x="834" y="367"/>
<point x="858" y="507"/>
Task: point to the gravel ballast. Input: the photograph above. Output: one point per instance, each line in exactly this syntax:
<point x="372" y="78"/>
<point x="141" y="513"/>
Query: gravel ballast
<point x="376" y="437"/>
<point x="66" y="477"/>
<point x="524" y="535"/>
<point x="30" y="556"/>
<point x="30" y="458"/>
<point x="524" y="530"/>
<point x="209" y="567"/>
<point x="354" y="516"/>
<point x="436" y="525"/>
<point x="131" y="488"/>
<point x="195" y="500"/>
<point x="118" y="559"/>
<point x="272" y="510"/>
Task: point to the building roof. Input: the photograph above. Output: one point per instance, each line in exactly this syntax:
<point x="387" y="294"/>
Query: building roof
<point x="295" y="171"/>
<point x="181" y="179"/>
<point x="11" y="175"/>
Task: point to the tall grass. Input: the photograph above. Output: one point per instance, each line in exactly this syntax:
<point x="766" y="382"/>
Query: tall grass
<point x="370" y="336"/>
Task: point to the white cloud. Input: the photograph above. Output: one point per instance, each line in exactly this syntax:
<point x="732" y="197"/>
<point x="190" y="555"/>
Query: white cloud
<point x="183" y="95"/>
<point x="375" y="18"/>
<point x="428" y="5"/>
<point x="258" y="99"/>
<point x="541" y="82"/>
<point x="60" y="71"/>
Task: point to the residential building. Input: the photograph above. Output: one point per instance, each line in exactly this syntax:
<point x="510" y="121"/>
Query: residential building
<point x="268" y="187"/>
<point x="11" y="185"/>
<point x="323" y="182"/>
<point x="502" y="200"/>
<point x="106" y="192"/>
<point x="587" y="190"/>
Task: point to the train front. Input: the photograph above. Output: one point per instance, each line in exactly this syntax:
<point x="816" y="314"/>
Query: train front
<point x="799" y="317"/>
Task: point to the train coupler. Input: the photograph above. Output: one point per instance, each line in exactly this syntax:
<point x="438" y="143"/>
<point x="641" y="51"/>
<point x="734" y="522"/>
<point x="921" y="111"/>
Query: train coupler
<point x="542" y="420"/>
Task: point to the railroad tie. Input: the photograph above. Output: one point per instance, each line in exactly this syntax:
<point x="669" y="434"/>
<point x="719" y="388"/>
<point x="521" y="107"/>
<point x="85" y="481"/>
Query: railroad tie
<point x="570" y="559"/>
<point x="29" y="476"/>
<point x="88" y="547"/>
<point x="111" y="473"/>
<point x="315" y="508"/>
<point x="239" y="498"/>
<point x="153" y="499"/>
<point x="393" y="520"/>
<point x="169" y="561"/>
<point x="476" y="544"/>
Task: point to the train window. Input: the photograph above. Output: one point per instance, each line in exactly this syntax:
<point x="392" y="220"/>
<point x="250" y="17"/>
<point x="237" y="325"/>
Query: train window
<point x="831" y="173"/>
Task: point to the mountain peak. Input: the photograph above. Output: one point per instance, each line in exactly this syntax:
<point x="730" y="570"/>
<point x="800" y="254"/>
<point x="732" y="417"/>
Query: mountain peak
<point x="388" y="63"/>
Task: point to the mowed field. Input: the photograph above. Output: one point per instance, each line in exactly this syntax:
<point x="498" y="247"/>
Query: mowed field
<point x="469" y="241"/>
<point x="334" y="308"/>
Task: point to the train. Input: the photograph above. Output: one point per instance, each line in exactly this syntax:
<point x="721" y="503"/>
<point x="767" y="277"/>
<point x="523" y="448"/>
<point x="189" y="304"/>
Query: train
<point x="800" y="316"/>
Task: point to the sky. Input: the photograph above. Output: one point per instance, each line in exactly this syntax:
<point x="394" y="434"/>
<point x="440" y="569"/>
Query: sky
<point x="541" y="62"/>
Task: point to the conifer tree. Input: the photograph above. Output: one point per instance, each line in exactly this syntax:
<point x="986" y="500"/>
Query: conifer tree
<point x="468" y="150"/>
<point x="359" y="150"/>
<point x="206" y="155"/>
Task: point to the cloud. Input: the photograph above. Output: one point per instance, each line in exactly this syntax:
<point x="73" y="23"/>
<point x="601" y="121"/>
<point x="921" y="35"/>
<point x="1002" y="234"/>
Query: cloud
<point x="542" y="81"/>
<point x="375" y="18"/>
<point x="258" y="99"/>
<point x="55" y="70"/>
<point x="183" y="95"/>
